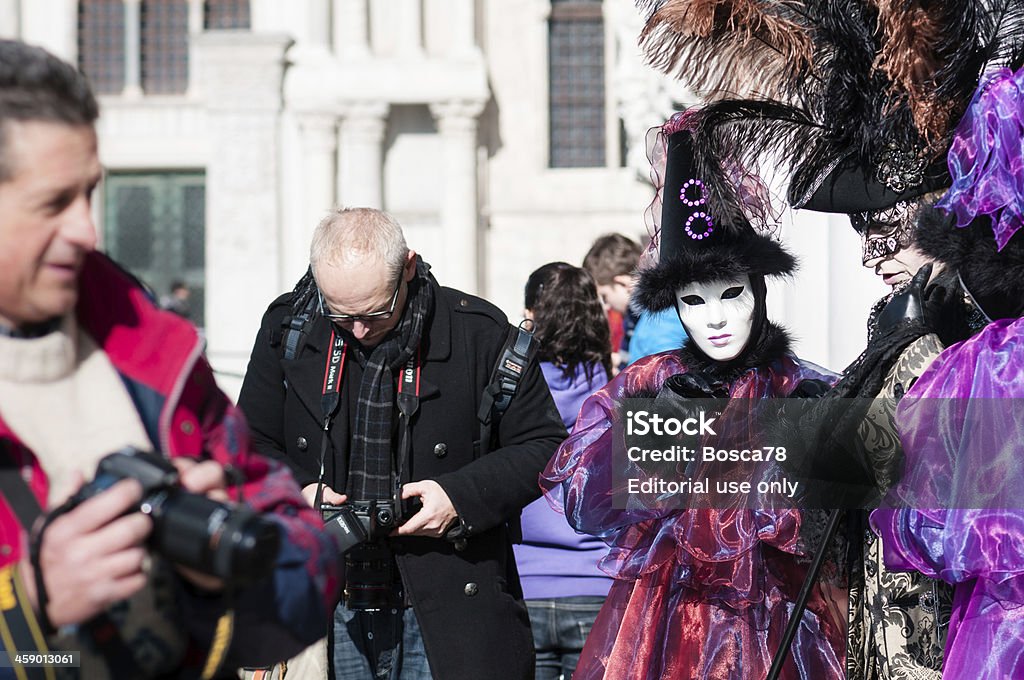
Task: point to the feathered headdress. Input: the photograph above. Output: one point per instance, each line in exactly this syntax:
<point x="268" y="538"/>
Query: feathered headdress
<point x="857" y="99"/>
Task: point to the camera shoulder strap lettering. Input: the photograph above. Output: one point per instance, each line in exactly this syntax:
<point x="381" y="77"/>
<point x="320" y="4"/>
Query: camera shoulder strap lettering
<point x="408" y="404"/>
<point x="329" y="400"/>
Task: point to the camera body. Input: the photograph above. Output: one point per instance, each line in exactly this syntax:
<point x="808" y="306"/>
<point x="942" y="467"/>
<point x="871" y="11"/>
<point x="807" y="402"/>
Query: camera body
<point x="355" y="523"/>
<point x="361" y="529"/>
<point x="233" y="543"/>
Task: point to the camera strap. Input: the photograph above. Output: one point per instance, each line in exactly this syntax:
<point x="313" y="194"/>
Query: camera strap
<point x="408" y="403"/>
<point x="21" y="628"/>
<point x="329" y="400"/>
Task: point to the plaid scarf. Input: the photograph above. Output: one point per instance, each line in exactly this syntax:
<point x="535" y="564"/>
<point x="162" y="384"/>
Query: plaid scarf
<point x="370" y="455"/>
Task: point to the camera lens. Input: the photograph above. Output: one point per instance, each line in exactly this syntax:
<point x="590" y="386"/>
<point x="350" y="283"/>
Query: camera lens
<point x="232" y="543"/>
<point x="369" y="579"/>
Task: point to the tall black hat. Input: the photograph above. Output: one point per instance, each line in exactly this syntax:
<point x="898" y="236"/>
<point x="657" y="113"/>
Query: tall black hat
<point x="698" y="242"/>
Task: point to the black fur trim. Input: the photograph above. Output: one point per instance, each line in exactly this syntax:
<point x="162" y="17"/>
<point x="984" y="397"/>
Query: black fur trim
<point x="771" y="344"/>
<point x="754" y="254"/>
<point x="995" y="278"/>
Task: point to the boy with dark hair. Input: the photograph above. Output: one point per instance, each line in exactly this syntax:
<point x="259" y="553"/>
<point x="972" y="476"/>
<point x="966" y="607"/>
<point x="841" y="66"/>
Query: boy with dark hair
<point x="612" y="260"/>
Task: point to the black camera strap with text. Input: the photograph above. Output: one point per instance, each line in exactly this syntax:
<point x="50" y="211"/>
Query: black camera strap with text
<point x="329" y="400"/>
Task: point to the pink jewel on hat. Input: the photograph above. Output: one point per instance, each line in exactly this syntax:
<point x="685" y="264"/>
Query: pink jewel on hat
<point x="707" y="221"/>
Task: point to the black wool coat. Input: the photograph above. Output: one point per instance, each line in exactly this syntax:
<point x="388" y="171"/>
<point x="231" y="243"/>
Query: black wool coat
<point x="468" y="602"/>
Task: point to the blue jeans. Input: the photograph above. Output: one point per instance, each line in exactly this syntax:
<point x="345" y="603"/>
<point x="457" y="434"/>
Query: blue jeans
<point x="384" y="645"/>
<point x="560" y="627"/>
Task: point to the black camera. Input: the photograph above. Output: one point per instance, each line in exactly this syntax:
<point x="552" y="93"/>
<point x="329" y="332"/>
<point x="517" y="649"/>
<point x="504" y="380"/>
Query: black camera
<point x="233" y="543"/>
<point x="355" y="523"/>
<point x="361" y="529"/>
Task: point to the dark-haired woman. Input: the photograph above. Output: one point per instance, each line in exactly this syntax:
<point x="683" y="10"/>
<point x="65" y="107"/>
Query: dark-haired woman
<point x="562" y="585"/>
<point x="700" y="592"/>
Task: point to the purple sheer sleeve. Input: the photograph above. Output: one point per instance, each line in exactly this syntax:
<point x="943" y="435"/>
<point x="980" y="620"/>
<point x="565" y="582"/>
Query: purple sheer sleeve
<point x="963" y="436"/>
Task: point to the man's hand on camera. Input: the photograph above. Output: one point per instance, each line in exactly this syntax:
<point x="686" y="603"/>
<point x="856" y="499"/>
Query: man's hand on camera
<point x="434" y="517"/>
<point x="93" y="556"/>
<point x="330" y="496"/>
<point x="209" y="479"/>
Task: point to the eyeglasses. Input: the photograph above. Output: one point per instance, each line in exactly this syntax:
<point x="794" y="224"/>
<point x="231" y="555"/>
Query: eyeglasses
<point x="371" y="316"/>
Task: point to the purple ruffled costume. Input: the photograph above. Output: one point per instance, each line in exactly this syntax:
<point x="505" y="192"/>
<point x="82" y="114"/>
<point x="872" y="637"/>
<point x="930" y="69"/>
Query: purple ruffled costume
<point x="699" y="593"/>
<point x="963" y="455"/>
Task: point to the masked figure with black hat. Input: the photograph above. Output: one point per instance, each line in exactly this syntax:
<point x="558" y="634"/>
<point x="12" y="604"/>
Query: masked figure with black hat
<point x="962" y="423"/>
<point x="858" y="101"/>
<point x="700" y="592"/>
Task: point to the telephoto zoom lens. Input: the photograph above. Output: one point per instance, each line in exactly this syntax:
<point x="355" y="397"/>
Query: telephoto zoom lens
<point x="233" y="543"/>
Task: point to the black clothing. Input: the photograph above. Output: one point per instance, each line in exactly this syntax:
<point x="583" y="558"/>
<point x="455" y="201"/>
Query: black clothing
<point x="468" y="602"/>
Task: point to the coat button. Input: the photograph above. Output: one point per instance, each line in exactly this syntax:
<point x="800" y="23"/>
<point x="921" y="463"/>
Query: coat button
<point x="302" y="443"/>
<point x="471" y="589"/>
<point x="187" y="427"/>
<point x="463" y="302"/>
<point x="441" y="450"/>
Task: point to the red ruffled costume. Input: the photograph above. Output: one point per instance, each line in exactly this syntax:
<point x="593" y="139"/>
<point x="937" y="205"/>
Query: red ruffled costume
<point x="699" y="593"/>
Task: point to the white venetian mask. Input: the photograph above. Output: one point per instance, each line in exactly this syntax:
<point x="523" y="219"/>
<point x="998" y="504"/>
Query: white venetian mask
<point x="718" y="315"/>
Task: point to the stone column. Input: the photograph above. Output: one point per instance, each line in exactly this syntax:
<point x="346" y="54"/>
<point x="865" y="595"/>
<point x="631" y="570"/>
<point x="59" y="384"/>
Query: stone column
<point x="351" y="29"/>
<point x="10" y="19"/>
<point x="409" y="31"/>
<point x="241" y="76"/>
<point x="463" y="27"/>
<point x="132" y="49"/>
<point x="361" y="154"/>
<point x="195" y="28"/>
<point x="319" y="140"/>
<point x="51" y="24"/>
<point x="457" y="124"/>
<point x="320" y="24"/>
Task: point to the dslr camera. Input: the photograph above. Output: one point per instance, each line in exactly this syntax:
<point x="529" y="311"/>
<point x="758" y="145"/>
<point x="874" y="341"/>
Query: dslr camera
<point x="233" y="543"/>
<point x="361" y="529"/>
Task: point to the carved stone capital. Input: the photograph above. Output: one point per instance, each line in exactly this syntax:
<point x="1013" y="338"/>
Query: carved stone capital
<point x="457" y="115"/>
<point x="367" y="119"/>
<point x="318" y="131"/>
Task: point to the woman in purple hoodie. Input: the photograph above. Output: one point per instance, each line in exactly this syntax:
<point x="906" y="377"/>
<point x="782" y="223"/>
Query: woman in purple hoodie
<point x="562" y="585"/>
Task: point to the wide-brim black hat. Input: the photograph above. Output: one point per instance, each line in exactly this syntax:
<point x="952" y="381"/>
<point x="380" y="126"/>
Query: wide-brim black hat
<point x="696" y="245"/>
<point x="852" y="184"/>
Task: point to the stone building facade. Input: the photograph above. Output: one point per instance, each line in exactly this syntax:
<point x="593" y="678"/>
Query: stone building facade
<point x="502" y="133"/>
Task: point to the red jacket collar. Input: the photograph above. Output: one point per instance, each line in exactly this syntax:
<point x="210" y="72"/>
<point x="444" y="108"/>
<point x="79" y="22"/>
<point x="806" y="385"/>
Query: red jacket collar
<point x="144" y="343"/>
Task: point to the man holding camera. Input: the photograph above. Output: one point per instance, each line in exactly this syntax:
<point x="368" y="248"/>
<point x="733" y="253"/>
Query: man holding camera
<point x="133" y="573"/>
<point x="394" y="369"/>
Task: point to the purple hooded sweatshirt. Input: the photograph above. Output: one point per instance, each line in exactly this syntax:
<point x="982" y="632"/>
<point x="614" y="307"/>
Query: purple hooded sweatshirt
<point x="553" y="560"/>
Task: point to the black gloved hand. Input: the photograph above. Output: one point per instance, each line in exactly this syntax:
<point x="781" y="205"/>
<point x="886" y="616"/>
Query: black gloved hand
<point x="934" y="304"/>
<point x="695" y="386"/>
<point x="810" y="388"/>
<point x="907" y="306"/>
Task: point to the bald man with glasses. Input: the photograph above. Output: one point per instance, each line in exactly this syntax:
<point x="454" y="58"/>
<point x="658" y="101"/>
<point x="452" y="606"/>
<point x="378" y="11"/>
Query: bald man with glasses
<point x="394" y="369"/>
